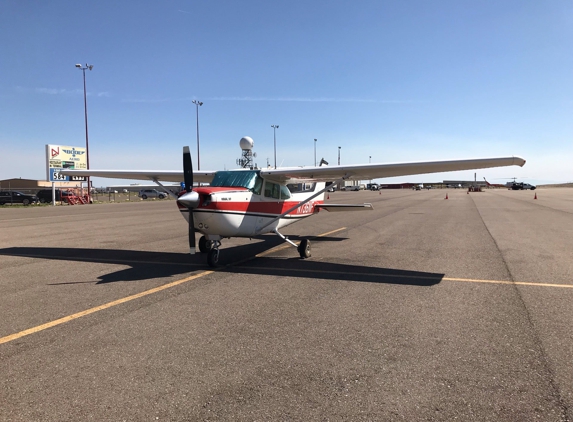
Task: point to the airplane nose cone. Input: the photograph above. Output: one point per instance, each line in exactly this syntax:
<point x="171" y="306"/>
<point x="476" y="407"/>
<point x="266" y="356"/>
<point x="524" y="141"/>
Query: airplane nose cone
<point x="189" y="200"/>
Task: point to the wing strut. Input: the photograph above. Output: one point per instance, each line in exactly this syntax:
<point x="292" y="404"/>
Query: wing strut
<point x="167" y="191"/>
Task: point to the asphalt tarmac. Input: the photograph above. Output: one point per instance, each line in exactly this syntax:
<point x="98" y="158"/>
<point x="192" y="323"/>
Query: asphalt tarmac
<point x="424" y="309"/>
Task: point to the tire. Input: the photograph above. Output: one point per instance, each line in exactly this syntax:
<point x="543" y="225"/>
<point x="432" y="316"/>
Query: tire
<point x="43" y="201"/>
<point x="205" y="245"/>
<point x="213" y="258"/>
<point x="26" y="202"/>
<point x="304" y="248"/>
<point x="143" y="196"/>
<point x="161" y="196"/>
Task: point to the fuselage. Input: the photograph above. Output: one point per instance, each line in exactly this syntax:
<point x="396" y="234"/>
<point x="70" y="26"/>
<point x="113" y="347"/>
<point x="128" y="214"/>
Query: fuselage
<point x="243" y="210"/>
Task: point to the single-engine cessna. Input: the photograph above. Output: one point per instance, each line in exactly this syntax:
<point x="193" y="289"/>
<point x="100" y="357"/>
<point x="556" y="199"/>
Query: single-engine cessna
<point x="251" y="202"/>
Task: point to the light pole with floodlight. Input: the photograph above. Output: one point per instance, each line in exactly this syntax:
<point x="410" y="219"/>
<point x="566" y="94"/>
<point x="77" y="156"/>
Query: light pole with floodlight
<point x="197" y="105"/>
<point x="339" y="155"/>
<point x="275" y="127"/>
<point x="83" y="68"/>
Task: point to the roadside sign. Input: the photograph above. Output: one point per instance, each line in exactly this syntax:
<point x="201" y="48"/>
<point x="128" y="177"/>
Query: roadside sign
<point x="59" y="157"/>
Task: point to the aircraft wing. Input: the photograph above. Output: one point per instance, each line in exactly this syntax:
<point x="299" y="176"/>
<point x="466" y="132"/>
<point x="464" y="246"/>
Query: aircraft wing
<point x="161" y="175"/>
<point x="376" y="171"/>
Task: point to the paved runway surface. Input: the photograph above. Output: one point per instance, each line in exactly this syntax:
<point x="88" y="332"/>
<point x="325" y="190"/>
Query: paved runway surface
<point x="423" y="309"/>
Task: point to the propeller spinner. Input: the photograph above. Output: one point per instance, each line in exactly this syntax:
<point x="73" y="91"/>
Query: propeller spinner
<point x="189" y="199"/>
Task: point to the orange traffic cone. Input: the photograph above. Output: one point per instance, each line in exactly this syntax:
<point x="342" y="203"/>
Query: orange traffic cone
<point x="446" y="196"/>
<point x="535" y="197"/>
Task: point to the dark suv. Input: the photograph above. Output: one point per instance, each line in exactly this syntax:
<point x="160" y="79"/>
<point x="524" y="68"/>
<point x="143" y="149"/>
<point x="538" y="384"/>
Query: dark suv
<point x="45" y="195"/>
<point x="15" y="197"/>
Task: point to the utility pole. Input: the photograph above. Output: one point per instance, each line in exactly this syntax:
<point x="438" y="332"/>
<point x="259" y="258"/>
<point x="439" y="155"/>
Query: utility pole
<point x="275" y="127"/>
<point x="197" y="105"/>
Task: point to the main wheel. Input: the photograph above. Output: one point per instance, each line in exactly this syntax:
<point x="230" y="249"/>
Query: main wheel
<point x="304" y="248"/>
<point x="213" y="258"/>
<point x="205" y="245"/>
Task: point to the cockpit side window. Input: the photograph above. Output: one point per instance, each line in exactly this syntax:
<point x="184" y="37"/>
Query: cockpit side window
<point x="301" y="187"/>
<point x="272" y="190"/>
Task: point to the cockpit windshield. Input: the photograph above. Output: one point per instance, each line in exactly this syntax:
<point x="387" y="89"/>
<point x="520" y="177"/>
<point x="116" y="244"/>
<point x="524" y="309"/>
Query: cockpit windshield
<point x="249" y="179"/>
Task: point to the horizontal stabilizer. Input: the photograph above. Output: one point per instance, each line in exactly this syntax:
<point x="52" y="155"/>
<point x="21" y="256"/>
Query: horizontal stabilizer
<point x="345" y="207"/>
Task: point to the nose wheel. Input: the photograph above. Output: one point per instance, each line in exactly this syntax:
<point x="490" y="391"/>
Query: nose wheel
<point x="213" y="254"/>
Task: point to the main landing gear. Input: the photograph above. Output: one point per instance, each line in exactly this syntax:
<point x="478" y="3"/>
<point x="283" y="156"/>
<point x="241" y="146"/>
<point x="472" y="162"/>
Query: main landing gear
<point x="211" y="248"/>
<point x="304" y="248"/>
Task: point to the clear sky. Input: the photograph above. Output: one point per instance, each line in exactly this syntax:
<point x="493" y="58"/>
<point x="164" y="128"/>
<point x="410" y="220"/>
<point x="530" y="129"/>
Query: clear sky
<point x="396" y="81"/>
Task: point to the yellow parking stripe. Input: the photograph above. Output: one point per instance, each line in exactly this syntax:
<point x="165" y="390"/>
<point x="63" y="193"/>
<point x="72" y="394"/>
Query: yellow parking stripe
<point x="521" y="283"/>
<point x="99" y="308"/>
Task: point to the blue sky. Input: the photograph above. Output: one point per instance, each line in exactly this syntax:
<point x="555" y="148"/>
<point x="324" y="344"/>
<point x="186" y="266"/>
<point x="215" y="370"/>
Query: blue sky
<point x="397" y="81"/>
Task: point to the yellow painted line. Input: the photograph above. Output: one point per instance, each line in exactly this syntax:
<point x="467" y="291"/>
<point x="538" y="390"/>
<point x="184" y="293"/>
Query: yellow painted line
<point x="420" y="277"/>
<point x="99" y="308"/>
<point x="521" y="283"/>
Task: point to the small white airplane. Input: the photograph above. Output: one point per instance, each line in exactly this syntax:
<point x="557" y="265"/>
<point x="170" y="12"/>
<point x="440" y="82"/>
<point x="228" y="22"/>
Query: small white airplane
<point x="496" y="185"/>
<point x="248" y="203"/>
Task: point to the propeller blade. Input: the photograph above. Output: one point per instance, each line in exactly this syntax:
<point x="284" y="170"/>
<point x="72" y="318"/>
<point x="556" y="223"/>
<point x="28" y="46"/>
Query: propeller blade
<point x="187" y="169"/>
<point x="190" y="199"/>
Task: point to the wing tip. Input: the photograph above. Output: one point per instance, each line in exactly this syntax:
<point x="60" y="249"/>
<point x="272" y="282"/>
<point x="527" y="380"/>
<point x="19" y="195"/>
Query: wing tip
<point x="519" y="161"/>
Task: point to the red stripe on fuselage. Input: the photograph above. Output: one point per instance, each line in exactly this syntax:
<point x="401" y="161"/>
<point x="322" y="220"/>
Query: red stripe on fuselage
<point x="273" y="207"/>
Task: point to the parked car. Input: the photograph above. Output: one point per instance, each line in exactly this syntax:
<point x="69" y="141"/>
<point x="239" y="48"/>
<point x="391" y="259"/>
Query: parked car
<point x="15" y="197"/>
<point x="151" y="193"/>
<point x="45" y="195"/>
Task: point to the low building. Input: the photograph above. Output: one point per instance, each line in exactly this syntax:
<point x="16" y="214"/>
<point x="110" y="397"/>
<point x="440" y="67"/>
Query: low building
<point x="30" y="185"/>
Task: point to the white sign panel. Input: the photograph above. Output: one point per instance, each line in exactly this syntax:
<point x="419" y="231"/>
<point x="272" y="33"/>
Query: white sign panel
<point x="59" y="157"/>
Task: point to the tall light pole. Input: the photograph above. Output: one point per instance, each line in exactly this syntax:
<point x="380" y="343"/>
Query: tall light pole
<point x="275" y="127"/>
<point x="339" y="155"/>
<point x="83" y="68"/>
<point x="315" y="152"/>
<point x="197" y="104"/>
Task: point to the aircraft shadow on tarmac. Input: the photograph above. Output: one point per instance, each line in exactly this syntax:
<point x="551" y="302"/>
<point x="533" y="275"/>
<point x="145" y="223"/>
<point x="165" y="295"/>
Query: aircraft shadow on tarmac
<point x="144" y="265"/>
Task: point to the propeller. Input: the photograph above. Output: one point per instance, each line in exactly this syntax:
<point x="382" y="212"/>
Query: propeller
<point x="189" y="199"/>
